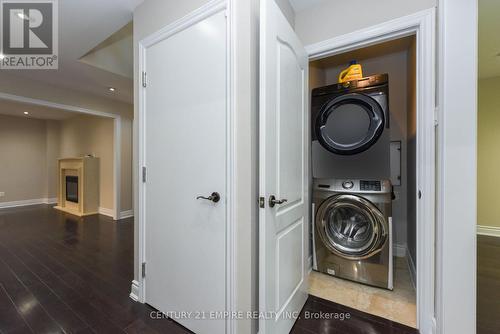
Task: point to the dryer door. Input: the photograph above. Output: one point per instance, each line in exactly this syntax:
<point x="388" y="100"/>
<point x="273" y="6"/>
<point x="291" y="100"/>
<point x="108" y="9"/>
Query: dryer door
<point x="350" y="124"/>
<point x="351" y="226"/>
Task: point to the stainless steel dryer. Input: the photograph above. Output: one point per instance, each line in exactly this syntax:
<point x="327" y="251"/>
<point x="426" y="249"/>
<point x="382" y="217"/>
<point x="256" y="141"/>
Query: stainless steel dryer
<point x="352" y="234"/>
<point x="350" y="129"/>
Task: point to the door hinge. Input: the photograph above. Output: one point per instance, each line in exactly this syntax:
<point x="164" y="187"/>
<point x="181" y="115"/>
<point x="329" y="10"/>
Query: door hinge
<point x="436" y="116"/>
<point x="262" y="202"/>
<point x="143" y="269"/>
<point x="144" y="174"/>
<point x="144" y="79"/>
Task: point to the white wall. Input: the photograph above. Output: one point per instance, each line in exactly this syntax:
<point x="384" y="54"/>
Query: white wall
<point x="333" y="18"/>
<point x="287" y="10"/>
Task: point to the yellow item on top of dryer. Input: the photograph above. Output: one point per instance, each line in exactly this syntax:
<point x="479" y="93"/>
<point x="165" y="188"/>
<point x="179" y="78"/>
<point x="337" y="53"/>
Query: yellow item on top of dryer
<point x="353" y="72"/>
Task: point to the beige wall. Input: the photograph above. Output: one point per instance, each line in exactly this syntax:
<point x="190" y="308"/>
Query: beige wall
<point x="127" y="189"/>
<point x="488" y="164"/>
<point x="29" y="149"/>
<point x="23" y="164"/>
<point x="53" y="141"/>
<point x="19" y="86"/>
<point x="82" y="135"/>
<point x="333" y="18"/>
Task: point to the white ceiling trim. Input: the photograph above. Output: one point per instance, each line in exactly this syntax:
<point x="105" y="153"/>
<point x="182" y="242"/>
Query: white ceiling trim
<point x="49" y="104"/>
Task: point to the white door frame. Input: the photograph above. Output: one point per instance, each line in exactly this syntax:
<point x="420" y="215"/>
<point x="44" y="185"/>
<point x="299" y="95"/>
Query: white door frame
<point x="457" y="166"/>
<point x="209" y="9"/>
<point x="422" y="25"/>
<point x="117" y="153"/>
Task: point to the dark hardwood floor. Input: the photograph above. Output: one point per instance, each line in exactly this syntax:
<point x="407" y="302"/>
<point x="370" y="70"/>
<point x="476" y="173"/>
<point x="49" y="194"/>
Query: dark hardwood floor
<point x="488" y="285"/>
<point x="61" y="274"/>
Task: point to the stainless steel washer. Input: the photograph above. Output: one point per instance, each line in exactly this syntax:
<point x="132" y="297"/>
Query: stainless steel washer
<point x="352" y="234"/>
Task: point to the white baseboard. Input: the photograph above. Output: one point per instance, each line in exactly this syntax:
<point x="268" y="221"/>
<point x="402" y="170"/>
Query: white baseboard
<point x="399" y="250"/>
<point x="491" y="231"/>
<point x="126" y="214"/>
<point x="51" y="200"/>
<point x="28" y="202"/>
<point x="107" y="212"/>
<point x="134" y="291"/>
<point x="38" y="201"/>
<point x="412" y="268"/>
<point x="111" y="213"/>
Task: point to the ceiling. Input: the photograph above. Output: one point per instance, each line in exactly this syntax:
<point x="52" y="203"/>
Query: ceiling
<point x="372" y="51"/>
<point x="115" y="54"/>
<point x="299" y="5"/>
<point x="489" y="38"/>
<point x="13" y="108"/>
<point x="84" y="25"/>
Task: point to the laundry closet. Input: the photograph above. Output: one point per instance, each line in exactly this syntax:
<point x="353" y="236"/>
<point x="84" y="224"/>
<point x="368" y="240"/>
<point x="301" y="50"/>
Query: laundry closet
<point x="363" y="169"/>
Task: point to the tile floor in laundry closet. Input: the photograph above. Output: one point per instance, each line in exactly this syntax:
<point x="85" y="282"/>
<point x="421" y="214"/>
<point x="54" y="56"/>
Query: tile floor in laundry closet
<point x="398" y="305"/>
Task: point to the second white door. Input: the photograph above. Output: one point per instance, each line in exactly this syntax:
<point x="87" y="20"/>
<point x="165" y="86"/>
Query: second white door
<point x="284" y="173"/>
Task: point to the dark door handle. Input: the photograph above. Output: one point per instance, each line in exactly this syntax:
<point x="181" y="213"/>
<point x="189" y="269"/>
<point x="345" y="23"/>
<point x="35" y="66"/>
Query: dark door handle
<point x="215" y="197"/>
<point x="273" y="201"/>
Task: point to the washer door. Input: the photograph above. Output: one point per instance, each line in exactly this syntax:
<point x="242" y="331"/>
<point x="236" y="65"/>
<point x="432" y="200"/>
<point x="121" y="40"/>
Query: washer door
<point x="350" y="124"/>
<point x="351" y="226"/>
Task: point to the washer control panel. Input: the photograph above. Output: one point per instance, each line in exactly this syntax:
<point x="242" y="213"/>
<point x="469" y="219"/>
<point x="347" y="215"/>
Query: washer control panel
<point x="354" y="186"/>
<point x="370" y="185"/>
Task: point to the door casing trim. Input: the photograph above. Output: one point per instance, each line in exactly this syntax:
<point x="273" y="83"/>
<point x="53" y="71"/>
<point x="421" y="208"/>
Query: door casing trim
<point x="422" y="25"/>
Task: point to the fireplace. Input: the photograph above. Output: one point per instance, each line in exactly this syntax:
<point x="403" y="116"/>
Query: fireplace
<point x="78" y="191"/>
<point x="72" y="188"/>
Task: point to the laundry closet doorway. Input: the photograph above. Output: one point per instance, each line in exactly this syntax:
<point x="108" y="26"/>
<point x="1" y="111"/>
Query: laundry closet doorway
<point x="275" y="232"/>
<point x="421" y="25"/>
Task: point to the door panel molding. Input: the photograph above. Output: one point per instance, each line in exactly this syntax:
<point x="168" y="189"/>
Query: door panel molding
<point x="196" y="16"/>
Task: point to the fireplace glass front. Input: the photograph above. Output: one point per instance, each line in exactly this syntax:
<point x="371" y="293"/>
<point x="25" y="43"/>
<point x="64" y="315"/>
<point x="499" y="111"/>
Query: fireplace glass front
<point x="72" y="189"/>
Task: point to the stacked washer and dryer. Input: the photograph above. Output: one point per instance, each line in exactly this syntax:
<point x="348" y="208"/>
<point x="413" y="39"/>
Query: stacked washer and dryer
<point x="352" y="192"/>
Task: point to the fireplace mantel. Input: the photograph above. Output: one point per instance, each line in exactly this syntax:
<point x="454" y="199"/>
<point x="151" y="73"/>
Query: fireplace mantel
<point x="78" y="190"/>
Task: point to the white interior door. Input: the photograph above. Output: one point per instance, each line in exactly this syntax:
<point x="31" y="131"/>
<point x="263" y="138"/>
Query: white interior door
<point x="284" y="169"/>
<point x="185" y="155"/>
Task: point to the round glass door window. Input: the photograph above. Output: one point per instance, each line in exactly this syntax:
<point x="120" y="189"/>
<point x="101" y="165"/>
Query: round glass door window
<point x="350" y="124"/>
<point x="351" y="226"/>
